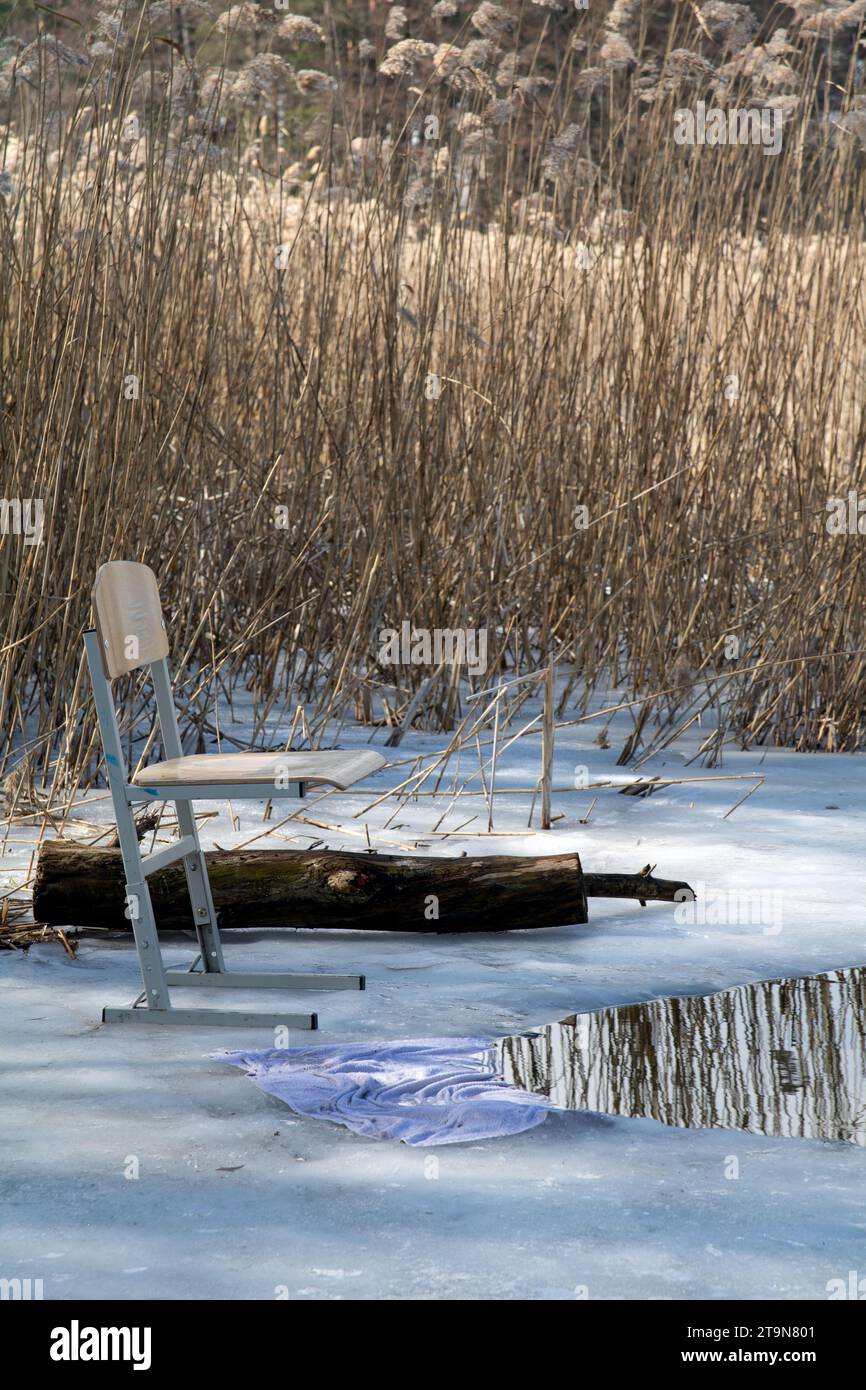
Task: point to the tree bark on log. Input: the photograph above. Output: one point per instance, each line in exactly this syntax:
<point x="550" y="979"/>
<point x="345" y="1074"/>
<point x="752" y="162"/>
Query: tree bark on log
<point x="80" y="885"/>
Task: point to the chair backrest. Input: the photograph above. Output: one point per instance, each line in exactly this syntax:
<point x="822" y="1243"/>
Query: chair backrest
<point x="128" y="617"/>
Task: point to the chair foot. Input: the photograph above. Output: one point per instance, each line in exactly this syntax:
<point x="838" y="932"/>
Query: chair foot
<point x="241" y="979"/>
<point x="210" y="1018"/>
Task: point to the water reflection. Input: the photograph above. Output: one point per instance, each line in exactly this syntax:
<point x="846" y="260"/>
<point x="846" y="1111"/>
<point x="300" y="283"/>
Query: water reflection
<point x="782" y="1057"/>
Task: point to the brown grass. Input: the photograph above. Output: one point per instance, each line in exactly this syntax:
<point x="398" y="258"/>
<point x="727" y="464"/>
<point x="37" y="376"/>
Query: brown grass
<point x="585" y="328"/>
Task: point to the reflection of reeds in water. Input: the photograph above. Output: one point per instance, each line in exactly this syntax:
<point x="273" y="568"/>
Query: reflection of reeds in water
<point x="782" y="1058"/>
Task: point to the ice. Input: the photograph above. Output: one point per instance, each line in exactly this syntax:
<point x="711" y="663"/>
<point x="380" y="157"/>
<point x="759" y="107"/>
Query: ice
<point x="237" y="1198"/>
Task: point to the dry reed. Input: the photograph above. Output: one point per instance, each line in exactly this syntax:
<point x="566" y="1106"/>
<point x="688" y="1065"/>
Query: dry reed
<point x="230" y="279"/>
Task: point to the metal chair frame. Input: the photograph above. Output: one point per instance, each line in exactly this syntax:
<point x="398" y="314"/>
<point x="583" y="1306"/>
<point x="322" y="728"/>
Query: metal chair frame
<point x="208" y="970"/>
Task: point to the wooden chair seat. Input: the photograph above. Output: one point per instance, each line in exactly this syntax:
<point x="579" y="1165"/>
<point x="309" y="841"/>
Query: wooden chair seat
<point x="329" y="767"/>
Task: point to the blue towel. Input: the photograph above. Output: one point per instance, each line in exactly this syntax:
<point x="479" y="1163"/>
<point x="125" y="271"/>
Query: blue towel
<point x="423" y="1091"/>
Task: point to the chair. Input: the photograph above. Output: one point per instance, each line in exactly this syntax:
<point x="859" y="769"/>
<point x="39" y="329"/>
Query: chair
<point x="130" y="633"/>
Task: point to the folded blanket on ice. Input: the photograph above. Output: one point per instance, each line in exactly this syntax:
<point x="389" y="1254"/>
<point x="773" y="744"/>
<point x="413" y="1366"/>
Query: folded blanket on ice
<point x="423" y="1091"/>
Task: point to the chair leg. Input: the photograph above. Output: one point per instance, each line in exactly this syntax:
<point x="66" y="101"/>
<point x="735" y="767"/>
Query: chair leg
<point x="198" y="884"/>
<point x="140" y="911"/>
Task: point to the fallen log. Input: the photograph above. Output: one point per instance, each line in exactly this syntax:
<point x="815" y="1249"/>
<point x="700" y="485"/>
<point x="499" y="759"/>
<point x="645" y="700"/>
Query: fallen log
<point x="80" y="885"/>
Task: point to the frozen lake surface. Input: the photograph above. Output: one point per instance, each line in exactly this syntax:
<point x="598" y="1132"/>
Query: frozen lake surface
<point x="135" y="1166"/>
